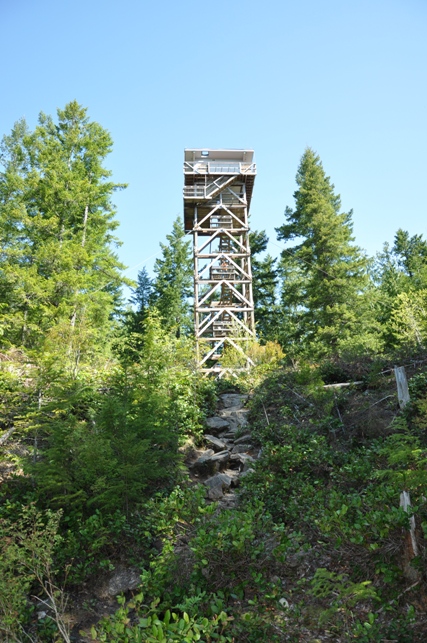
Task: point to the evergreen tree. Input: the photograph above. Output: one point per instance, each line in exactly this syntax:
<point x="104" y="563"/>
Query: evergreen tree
<point x="111" y="447"/>
<point x="400" y="274"/>
<point x="328" y="272"/>
<point x="59" y="276"/>
<point x="172" y="285"/>
<point x="265" y="284"/>
<point x="134" y="322"/>
<point x="141" y="295"/>
<point x="411" y="255"/>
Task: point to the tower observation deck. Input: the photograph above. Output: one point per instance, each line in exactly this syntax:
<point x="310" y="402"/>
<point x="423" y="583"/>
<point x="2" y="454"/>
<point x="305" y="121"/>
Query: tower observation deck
<point x="218" y="188"/>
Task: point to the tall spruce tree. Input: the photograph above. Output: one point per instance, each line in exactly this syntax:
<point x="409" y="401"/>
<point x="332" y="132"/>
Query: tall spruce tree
<point x="172" y="285"/>
<point x="59" y="276"/>
<point x="324" y="270"/>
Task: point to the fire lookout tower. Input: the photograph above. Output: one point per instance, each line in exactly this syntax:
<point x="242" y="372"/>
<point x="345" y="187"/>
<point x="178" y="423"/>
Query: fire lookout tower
<point x="218" y="188"/>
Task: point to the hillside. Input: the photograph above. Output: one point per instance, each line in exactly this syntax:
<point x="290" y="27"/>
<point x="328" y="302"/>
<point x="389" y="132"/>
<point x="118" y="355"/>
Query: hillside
<point x="141" y="501"/>
<point x="314" y="547"/>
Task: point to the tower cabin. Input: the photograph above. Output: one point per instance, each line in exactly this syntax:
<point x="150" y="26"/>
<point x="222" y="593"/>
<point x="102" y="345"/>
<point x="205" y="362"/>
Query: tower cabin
<point x="218" y="188"/>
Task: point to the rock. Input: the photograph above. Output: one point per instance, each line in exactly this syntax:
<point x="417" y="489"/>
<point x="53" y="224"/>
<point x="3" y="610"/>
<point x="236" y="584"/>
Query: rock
<point x="217" y="424"/>
<point x="201" y="464"/>
<point x="236" y="418"/>
<point x="233" y="399"/>
<point x="204" y="455"/>
<point x="219" y="460"/>
<point x="243" y="439"/>
<point x="244" y="459"/>
<point x="247" y="466"/>
<point x="123" y="580"/>
<point x="246" y="472"/>
<point x="217" y="485"/>
<point x="241" y="448"/>
<point x="234" y="474"/>
<point x="228" y="435"/>
<point x="217" y="445"/>
<point x="229" y="501"/>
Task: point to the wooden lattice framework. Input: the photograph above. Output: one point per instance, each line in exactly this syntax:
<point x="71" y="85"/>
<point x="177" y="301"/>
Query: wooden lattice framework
<point x="218" y="187"/>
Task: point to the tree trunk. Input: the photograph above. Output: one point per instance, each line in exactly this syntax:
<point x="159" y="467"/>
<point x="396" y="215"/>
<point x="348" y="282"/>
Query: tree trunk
<point x="85" y="217"/>
<point x="402" y="386"/>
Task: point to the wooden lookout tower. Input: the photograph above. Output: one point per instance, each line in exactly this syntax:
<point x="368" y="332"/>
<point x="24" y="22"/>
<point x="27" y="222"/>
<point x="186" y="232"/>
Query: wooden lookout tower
<point x="218" y="187"/>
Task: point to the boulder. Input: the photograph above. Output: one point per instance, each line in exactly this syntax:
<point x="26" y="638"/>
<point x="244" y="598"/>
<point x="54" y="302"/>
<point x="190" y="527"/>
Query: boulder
<point x="228" y="435"/>
<point x="123" y="579"/>
<point x="215" y="443"/>
<point x="246" y="472"/>
<point x="216" y="485"/>
<point x="234" y="474"/>
<point x="201" y="464"/>
<point x="236" y="417"/>
<point x="217" y="424"/>
<point x="219" y="460"/>
<point x="241" y="448"/>
<point x="244" y="460"/>
<point x="243" y="439"/>
<point x="233" y="399"/>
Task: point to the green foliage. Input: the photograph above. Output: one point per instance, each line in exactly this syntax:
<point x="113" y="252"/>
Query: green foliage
<point x="134" y="320"/>
<point x="265" y="282"/>
<point x="108" y="442"/>
<point x="27" y="546"/>
<point x="230" y="553"/>
<point x="326" y="584"/>
<point x="153" y="626"/>
<point x="408" y="319"/>
<point x="59" y="277"/>
<point x="324" y="273"/>
<point x="172" y="285"/>
<point x="400" y="274"/>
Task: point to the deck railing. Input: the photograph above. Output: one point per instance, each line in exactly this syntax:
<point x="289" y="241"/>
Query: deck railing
<point x="219" y="167"/>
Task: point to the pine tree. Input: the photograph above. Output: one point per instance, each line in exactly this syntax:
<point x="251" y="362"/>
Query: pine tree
<point x="328" y="270"/>
<point x="172" y="285"/>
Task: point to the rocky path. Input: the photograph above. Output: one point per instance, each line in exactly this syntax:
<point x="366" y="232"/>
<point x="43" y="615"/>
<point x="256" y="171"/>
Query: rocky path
<point x="228" y="455"/>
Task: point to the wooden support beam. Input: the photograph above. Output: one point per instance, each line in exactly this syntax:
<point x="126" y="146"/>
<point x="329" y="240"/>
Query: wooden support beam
<point x="223" y="294"/>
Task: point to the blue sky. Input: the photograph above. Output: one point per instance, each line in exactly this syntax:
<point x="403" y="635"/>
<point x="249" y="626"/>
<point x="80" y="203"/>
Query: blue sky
<point x="345" y="78"/>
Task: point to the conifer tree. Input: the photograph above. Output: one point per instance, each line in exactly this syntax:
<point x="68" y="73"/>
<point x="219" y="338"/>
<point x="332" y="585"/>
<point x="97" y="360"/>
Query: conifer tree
<point x="59" y="276"/>
<point x="400" y="273"/>
<point x="265" y="285"/>
<point x="172" y="285"/>
<point x="141" y="295"/>
<point x="134" y="321"/>
<point x="328" y="272"/>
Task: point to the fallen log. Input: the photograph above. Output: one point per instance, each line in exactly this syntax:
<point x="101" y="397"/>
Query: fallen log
<point x="343" y="385"/>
